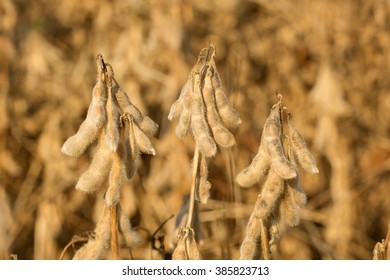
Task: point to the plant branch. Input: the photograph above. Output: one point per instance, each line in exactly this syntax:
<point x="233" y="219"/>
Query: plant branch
<point x="114" y="232"/>
<point x="194" y="186"/>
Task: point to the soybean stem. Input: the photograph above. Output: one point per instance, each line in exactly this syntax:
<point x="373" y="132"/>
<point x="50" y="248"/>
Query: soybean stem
<point x="194" y="183"/>
<point x="114" y="232"/>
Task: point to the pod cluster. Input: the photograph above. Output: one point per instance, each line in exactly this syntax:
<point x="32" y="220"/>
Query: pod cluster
<point x="276" y="167"/>
<point x="121" y="132"/>
<point x="203" y="108"/>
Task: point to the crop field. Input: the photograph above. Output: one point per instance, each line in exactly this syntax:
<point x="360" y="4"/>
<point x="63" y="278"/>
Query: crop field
<point x="185" y="129"/>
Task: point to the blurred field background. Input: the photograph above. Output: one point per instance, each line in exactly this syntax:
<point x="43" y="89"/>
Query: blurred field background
<point x="329" y="59"/>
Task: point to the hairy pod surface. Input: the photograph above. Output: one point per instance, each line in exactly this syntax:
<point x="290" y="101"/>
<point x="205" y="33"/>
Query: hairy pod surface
<point x="93" y="123"/>
<point x="299" y="148"/>
<point x="95" y="248"/>
<point x="112" y="128"/>
<point x="249" y="244"/>
<point x="257" y="170"/>
<point x="131" y="150"/>
<point x="199" y="125"/>
<point x="177" y="106"/>
<point x="229" y="116"/>
<point x="142" y="141"/>
<point x="272" y="135"/>
<point x="183" y="126"/>
<point x="289" y="210"/>
<point x="271" y="191"/>
<point x="221" y="135"/>
<point x="130" y="236"/>
<point x="93" y="178"/>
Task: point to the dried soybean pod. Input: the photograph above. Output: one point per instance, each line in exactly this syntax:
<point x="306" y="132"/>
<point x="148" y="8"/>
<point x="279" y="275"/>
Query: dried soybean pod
<point x="229" y="116"/>
<point x="249" y="244"/>
<point x="130" y="236"/>
<point x="95" y="248"/>
<point x="205" y="55"/>
<point x="221" y="135"/>
<point x="93" y="123"/>
<point x="257" y="170"/>
<point x="131" y="149"/>
<point x="180" y="252"/>
<point x="112" y="128"/>
<point x="288" y="208"/>
<point x="273" y="233"/>
<point x="204" y="185"/>
<point x="142" y="141"/>
<point x="199" y="125"/>
<point x="147" y="125"/>
<point x="272" y="134"/>
<point x="299" y="148"/>
<point x="98" y="170"/>
<point x="191" y="247"/>
<point x="177" y="107"/>
<point x="183" y="125"/>
<point x="270" y="193"/>
<point x="297" y="192"/>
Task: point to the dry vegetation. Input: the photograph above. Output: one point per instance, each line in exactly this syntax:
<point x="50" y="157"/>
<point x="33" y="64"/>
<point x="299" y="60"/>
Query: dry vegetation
<point x="329" y="59"/>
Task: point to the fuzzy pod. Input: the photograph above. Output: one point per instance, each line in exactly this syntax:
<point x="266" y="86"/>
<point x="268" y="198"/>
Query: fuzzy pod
<point x="130" y="236"/>
<point x="249" y="244"/>
<point x="131" y="150"/>
<point x="221" y="135"/>
<point x="142" y="141"/>
<point x="205" y="56"/>
<point x="91" y="126"/>
<point x="288" y="209"/>
<point x="272" y="134"/>
<point x="177" y="107"/>
<point x="95" y="248"/>
<point x="98" y="170"/>
<point x="126" y="105"/>
<point x="112" y="128"/>
<point x="257" y="170"/>
<point x="271" y="192"/>
<point x="297" y="192"/>
<point x="229" y="116"/>
<point x="274" y="236"/>
<point x="147" y="125"/>
<point x="199" y="125"/>
<point x="299" y="148"/>
<point x="183" y="126"/>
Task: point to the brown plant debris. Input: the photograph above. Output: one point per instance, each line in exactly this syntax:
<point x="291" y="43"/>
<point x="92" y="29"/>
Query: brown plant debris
<point x="186" y="248"/>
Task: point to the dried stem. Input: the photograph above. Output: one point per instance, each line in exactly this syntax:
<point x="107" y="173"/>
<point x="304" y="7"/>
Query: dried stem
<point x="114" y="232"/>
<point x="264" y="240"/>
<point x="194" y="184"/>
